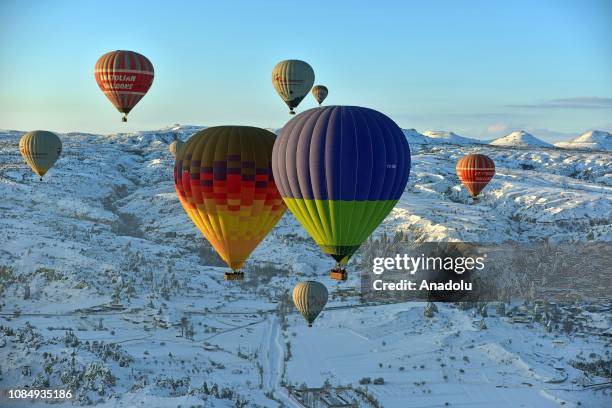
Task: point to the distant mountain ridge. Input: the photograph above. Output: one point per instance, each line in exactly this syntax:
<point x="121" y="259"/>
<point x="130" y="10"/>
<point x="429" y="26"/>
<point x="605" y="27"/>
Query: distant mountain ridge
<point x="520" y="138"/>
<point x="415" y="137"/>
<point x="451" y="137"/>
<point x="591" y="140"/>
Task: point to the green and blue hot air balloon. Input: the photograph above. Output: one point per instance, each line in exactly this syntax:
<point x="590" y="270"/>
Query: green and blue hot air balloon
<point x="340" y="170"/>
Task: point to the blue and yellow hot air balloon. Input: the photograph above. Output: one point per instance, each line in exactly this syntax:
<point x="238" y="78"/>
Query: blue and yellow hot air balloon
<point x="340" y="170"/>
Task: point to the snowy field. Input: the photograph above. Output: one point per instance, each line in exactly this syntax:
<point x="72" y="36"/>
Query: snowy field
<point x="109" y="290"/>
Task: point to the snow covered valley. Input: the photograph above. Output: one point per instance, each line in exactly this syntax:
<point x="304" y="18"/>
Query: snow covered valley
<point x="109" y="290"/>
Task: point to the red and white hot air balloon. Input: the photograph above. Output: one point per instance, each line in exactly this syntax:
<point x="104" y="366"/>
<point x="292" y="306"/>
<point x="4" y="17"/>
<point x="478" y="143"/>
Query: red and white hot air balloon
<point x="124" y="77"/>
<point x="475" y="171"/>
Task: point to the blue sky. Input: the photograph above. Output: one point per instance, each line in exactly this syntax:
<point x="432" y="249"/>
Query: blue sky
<point x="479" y="68"/>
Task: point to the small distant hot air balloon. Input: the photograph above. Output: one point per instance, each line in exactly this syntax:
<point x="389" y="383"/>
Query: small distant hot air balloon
<point x="175" y="147"/>
<point x="124" y="77"/>
<point x="320" y="93"/>
<point x="310" y="298"/>
<point x="292" y="79"/>
<point x="475" y="171"/>
<point x="340" y="170"/>
<point x="40" y="149"/>
<point x="223" y="179"/>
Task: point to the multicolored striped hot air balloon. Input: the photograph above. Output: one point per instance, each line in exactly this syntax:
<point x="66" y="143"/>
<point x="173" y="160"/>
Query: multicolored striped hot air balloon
<point x="40" y="149"/>
<point x="223" y="178"/>
<point x="124" y="77"/>
<point x="475" y="171"/>
<point x="310" y="298"/>
<point x="292" y="79"/>
<point x="320" y="93"/>
<point x="340" y="170"/>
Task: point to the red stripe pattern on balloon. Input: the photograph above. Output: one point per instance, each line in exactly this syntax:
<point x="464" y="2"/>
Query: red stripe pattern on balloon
<point x="475" y="171"/>
<point x="124" y="77"/>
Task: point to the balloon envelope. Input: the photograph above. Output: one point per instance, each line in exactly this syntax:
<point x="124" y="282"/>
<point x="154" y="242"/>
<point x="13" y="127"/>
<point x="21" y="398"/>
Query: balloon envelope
<point x="310" y="298"/>
<point x="340" y="170"/>
<point x="223" y="179"/>
<point x="175" y="146"/>
<point x="124" y="77"/>
<point x="320" y="93"/>
<point x="292" y="79"/>
<point x="475" y="171"/>
<point x="40" y="149"/>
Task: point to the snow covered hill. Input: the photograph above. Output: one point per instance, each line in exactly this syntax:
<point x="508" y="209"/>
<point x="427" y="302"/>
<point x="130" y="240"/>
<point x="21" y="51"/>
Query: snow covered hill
<point x="452" y="138"/>
<point x="520" y="139"/>
<point x="591" y="140"/>
<point x="107" y="288"/>
<point x="416" y="138"/>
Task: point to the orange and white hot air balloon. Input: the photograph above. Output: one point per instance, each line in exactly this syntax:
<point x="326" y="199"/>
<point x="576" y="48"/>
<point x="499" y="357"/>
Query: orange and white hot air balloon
<point x="124" y="77"/>
<point x="475" y="171"/>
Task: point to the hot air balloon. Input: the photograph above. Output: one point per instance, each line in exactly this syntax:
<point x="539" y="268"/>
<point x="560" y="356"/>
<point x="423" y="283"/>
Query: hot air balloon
<point x="340" y="170"/>
<point x="175" y="146"/>
<point x="475" y="171"/>
<point x="40" y="149"/>
<point x="224" y="181"/>
<point x="320" y="93"/>
<point x="124" y="77"/>
<point x="310" y="298"/>
<point x="292" y="79"/>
